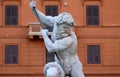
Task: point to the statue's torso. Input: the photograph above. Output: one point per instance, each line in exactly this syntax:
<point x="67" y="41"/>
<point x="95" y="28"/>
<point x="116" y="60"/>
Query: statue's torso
<point x="68" y="57"/>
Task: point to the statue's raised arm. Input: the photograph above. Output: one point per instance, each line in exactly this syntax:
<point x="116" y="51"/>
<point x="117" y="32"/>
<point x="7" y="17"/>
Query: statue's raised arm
<point x="44" y="20"/>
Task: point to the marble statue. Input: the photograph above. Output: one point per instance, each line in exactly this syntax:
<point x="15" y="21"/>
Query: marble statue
<point x="63" y="44"/>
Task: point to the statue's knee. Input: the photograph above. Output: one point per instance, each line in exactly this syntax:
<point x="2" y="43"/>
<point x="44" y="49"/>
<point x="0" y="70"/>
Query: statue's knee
<point x="52" y="72"/>
<point x="53" y="69"/>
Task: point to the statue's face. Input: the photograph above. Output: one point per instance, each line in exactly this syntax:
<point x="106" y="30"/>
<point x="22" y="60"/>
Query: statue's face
<point x="63" y="30"/>
<point x="64" y="24"/>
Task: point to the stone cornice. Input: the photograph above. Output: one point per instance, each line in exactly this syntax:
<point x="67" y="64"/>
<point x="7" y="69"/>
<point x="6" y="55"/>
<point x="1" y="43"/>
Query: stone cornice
<point x="101" y="1"/>
<point x="1" y="1"/>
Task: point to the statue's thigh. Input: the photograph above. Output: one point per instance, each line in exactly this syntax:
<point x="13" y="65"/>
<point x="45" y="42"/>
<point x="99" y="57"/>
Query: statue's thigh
<point x="77" y="71"/>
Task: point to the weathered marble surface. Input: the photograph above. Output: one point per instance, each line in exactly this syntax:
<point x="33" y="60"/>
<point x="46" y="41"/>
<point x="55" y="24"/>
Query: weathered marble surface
<point x="63" y="42"/>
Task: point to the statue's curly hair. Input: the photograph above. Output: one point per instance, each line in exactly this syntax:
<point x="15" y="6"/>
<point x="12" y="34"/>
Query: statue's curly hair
<point x="65" y="18"/>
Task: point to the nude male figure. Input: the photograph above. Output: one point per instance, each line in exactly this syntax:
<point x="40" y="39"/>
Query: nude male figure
<point x="63" y="41"/>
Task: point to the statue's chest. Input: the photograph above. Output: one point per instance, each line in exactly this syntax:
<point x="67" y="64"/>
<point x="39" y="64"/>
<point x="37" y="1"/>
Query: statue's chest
<point x="63" y="54"/>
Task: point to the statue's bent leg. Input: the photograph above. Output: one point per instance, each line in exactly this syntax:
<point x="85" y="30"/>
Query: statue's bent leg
<point x="53" y="69"/>
<point x="77" y="71"/>
<point x="52" y="72"/>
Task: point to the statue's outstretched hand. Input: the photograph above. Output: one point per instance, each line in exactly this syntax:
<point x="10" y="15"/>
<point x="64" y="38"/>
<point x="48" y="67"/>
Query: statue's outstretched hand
<point x="32" y="4"/>
<point x="44" y="32"/>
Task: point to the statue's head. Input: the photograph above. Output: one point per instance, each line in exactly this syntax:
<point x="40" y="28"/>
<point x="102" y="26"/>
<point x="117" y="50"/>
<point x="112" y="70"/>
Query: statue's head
<point x="64" y="23"/>
<point x="65" y="18"/>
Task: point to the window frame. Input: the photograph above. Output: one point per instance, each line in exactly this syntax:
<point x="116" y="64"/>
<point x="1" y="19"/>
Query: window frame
<point x="12" y="54"/>
<point x="16" y="2"/>
<point x="101" y="52"/>
<point x="93" y="54"/>
<point x="92" y="2"/>
<point x="17" y="44"/>
<point x="16" y="17"/>
<point x="93" y="18"/>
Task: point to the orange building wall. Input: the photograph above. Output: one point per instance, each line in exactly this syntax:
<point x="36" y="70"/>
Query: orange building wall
<point x="32" y="52"/>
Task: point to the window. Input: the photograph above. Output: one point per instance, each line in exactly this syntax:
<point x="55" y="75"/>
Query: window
<point x="49" y="57"/>
<point x="11" y="15"/>
<point x="51" y="10"/>
<point x="92" y="15"/>
<point x="93" y="54"/>
<point x="11" y="54"/>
